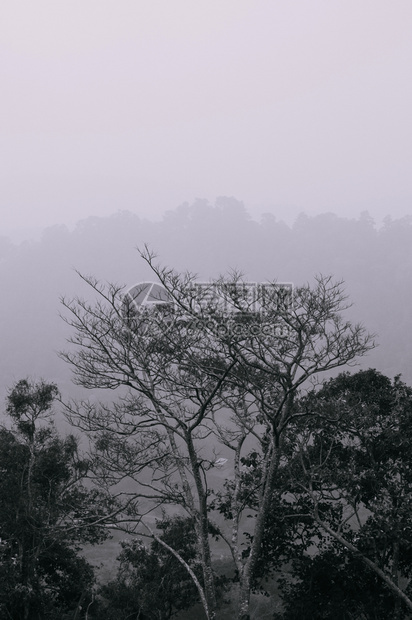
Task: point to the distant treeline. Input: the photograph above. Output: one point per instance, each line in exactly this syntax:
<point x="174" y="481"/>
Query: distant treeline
<point x="207" y="239"/>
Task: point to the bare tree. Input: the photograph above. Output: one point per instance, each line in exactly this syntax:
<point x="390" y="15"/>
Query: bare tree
<point x="155" y="434"/>
<point x="285" y="346"/>
<point x="199" y="380"/>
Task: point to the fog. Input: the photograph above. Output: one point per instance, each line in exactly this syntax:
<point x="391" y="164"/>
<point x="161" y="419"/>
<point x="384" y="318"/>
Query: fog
<point x="141" y="106"/>
<point x="271" y="137"/>
<point x="207" y="239"/>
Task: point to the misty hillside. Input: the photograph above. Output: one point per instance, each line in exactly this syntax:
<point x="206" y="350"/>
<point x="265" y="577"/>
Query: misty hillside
<point x="376" y="265"/>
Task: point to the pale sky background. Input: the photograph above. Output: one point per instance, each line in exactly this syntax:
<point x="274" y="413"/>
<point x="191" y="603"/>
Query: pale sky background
<point x="144" y="104"/>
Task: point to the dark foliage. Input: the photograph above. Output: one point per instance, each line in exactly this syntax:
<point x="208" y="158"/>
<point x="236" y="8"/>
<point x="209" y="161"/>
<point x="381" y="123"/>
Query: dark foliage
<point x="151" y="583"/>
<point x="348" y="512"/>
<point x="335" y="584"/>
<point x="45" y="512"/>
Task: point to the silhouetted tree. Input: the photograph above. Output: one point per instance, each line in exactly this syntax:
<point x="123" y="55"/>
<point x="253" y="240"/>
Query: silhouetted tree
<point x="45" y="510"/>
<point x="202" y="372"/>
<point x="349" y="481"/>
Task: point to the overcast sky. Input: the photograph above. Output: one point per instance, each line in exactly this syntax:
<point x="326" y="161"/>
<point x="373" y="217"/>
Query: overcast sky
<point x="144" y="104"/>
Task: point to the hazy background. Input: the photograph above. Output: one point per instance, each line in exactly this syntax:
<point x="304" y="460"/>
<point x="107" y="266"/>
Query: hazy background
<point x="205" y="129"/>
<point x="288" y="105"/>
<point x="270" y="136"/>
<point x="207" y="239"/>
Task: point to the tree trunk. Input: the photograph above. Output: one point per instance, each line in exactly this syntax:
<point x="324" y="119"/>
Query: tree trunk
<point x="202" y="530"/>
<point x="244" y="596"/>
<point x="246" y="577"/>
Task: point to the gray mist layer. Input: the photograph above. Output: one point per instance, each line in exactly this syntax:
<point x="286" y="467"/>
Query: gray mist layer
<point x="289" y="106"/>
<point x="209" y="240"/>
